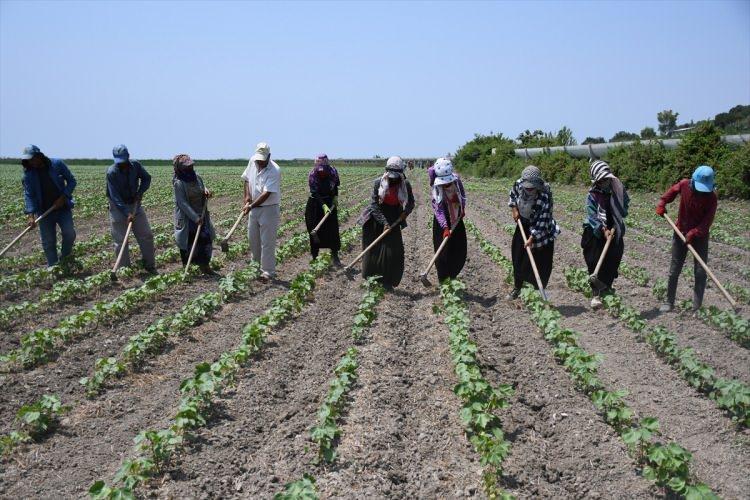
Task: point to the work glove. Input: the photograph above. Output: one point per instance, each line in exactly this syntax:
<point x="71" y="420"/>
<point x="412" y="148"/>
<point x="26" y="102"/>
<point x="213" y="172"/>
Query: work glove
<point x="660" y="210"/>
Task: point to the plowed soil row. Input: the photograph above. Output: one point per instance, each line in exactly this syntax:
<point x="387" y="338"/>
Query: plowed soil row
<point x="721" y="451"/>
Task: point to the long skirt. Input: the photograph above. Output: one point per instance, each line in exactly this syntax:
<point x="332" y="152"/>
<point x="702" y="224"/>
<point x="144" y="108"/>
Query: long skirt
<point x="328" y="234"/>
<point x="203" y="249"/>
<point x="522" y="270"/>
<point x="451" y="260"/>
<point x="592" y="250"/>
<point x="387" y="258"/>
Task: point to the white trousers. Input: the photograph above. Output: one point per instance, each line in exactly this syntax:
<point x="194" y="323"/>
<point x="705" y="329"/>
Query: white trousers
<point x="262" y="226"/>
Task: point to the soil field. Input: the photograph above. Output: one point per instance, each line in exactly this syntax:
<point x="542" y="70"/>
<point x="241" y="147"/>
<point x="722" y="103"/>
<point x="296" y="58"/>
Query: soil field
<point x="398" y="426"/>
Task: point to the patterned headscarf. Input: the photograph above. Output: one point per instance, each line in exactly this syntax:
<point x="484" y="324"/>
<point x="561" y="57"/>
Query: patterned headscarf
<point x="330" y="175"/>
<point x="601" y="170"/>
<point x="183" y="168"/>
<point x="322" y="160"/>
<point x="394" y="169"/>
<point x="532" y="177"/>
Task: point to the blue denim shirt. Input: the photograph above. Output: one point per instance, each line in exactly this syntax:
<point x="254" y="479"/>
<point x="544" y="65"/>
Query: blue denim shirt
<point x="123" y="185"/>
<point x="32" y="188"/>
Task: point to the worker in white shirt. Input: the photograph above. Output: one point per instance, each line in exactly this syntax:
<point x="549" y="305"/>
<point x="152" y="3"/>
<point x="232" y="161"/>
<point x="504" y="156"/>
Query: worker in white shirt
<point x="262" y="197"/>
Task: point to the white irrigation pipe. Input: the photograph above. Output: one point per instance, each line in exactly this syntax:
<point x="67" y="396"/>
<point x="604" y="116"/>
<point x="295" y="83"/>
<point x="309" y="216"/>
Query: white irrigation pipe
<point x="598" y="150"/>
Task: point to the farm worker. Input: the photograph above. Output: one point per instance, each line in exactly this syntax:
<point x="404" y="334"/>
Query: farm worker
<point x="47" y="183"/>
<point x="694" y="218"/>
<point x="262" y="197"/>
<point x="448" y="205"/>
<point x="324" y="182"/>
<point x="127" y="180"/>
<point x="190" y="211"/>
<point x="391" y="203"/>
<point x="606" y="208"/>
<point x="531" y="203"/>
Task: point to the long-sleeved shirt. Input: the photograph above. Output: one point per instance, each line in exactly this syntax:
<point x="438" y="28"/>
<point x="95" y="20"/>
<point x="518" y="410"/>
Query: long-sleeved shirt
<point x="124" y="185"/>
<point x="599" y="211"/>
<point x="325" y="187"/>
<point x="186" y="211"/>
<point x="441" y="209"/>
<point x="542" y="226"/>
<point x="374" y="208"/>
<point x="696" y="212"/>
<point x="61" y="177"/>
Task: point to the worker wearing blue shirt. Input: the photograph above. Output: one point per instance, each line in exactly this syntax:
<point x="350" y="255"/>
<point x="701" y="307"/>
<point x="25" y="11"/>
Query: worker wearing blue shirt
<point x="127" y="180"/>
<point x="48" y="184"/>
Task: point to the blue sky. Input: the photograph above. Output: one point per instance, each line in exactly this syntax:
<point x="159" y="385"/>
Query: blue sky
<point x="355" y="79"/>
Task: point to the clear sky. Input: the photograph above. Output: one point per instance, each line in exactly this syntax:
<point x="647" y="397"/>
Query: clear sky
<point x="355" y="79"/>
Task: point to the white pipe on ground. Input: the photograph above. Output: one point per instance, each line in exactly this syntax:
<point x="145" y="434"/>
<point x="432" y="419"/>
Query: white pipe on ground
<point x="598" y="150"/>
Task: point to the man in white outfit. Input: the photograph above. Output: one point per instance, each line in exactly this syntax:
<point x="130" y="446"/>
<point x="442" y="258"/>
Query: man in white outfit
<point x="262" y="197"/>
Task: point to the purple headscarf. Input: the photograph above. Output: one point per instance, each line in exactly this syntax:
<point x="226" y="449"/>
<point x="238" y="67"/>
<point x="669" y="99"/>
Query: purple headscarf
<point x="322" y="172"/>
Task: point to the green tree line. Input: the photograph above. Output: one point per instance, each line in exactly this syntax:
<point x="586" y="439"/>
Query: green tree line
<point x="644" y="165"/>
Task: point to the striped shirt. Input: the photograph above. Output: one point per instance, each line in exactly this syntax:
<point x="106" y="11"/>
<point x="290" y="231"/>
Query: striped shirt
<point x="542" y="225"/>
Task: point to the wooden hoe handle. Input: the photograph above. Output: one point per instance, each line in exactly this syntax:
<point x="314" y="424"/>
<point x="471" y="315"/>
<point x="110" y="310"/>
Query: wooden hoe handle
<point x="701" y="262"/>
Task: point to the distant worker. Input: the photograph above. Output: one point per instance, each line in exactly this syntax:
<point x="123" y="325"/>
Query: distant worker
<point x="694" y="218"/>
<point x="262" y="195"/>
<point x="323" y="181"/>
<point x="391" y="203"/>
<point x="531" y="203"/>
<point x="48" y="183"/>
<point x="449" y="208"/>
<point x="191" y="214"/>
<point x="127" y="180"/>
<point x="606" y="208"/>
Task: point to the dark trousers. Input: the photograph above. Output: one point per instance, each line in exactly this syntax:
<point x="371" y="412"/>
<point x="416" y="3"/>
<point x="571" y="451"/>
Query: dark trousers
<point x="592" y="250"/>
<point x="679" y="252"/>
<point x="522" y="270"/>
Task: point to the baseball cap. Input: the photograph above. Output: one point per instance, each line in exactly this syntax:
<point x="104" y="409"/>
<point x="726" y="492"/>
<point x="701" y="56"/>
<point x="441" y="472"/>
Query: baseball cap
<point x="120" y="153"/>
<point x="29" y="152"/>
<point x="262" y="152"/>
<point x="703" y="179"/>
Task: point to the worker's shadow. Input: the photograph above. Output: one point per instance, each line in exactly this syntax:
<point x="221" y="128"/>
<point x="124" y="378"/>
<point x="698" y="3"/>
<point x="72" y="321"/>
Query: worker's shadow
<point x="484" y="301"/>
<point x="571" y="311"/>
<point x="651" y="313"/>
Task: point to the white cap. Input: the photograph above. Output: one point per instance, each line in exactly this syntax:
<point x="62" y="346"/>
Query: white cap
<point x="262" y="152"/>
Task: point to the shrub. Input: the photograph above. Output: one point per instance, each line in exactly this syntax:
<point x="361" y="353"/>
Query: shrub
<point x="733" y="175"/>
<point x="700" y="146"/>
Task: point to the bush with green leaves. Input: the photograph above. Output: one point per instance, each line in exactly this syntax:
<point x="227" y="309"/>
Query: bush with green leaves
<point x="733" y="174"/>
<point x="644" y="165"/>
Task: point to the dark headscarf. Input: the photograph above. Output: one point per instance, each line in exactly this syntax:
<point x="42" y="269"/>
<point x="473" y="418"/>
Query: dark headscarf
<point x="183" y="168"/>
